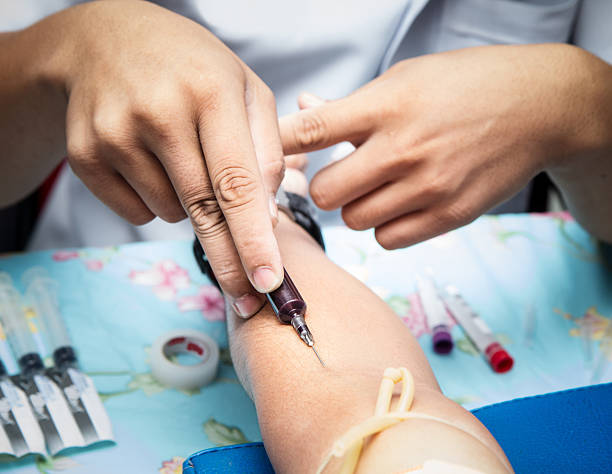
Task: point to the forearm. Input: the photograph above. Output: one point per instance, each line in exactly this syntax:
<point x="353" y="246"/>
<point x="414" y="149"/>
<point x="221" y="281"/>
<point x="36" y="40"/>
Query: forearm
<point x="32" y="110"/>
<point x="303" y="408"/>
<point x="584" y="176"/>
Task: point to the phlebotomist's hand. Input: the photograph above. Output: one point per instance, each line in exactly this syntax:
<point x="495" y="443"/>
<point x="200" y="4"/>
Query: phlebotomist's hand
<point x="162" y="119"/>
<point x="443" y="138"/>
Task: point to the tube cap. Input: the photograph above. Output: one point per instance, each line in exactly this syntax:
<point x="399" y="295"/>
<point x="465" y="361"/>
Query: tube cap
<point x="442" y="340"/>
<point x="64" y="356"/>
<point x="498" y="358"/>
<point x="31" y="363"/>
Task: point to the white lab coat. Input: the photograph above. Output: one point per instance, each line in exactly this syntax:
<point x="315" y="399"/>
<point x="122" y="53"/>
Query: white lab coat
<point x="325" y="47"/>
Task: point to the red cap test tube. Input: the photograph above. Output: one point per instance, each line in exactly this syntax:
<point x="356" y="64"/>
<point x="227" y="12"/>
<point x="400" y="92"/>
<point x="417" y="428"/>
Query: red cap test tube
<point x="477" y="330"/>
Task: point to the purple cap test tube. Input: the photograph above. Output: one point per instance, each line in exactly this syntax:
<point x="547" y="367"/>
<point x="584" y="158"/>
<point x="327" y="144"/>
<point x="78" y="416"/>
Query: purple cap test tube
<point x="437" y="317"/>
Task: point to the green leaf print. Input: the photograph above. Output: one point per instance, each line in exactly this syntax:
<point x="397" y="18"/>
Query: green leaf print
<point x="465" y="345"/>
<point x="503" y="339"/>
<point x="147" y="383"/>
<point x="47" y="465"/>
<point x="225" y="356"/>
<point x="399" y="304"/>
<point x="504" y="235"/>
<point x="223" y="435"/>
<point x="465" y="399"/>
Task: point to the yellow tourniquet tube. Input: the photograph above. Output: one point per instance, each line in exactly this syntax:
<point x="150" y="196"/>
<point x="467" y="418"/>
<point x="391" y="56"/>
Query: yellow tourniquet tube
<point x="350" y="444"/>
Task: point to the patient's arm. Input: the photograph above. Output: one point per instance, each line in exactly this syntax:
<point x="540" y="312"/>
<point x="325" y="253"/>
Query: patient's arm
<point x="303" y="408"/>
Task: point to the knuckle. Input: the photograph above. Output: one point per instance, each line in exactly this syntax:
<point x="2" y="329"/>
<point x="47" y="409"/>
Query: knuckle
<point x="311" y="131"/>
<point x="209" y="101"/>
<point x="393" y="165"/>
<point x="227" y="274"/>
<point x="146" y="111"/>
<point x="235" y="186"/>
<point x="456" y="215"/>
<point x="84" y="163"/>
<point x="111" y="128"/>
<point x="232" y="72"/>
<point x="211" y="96"/>
<point x="205" y="214"/>
<point x="399" y="159"/>
<point x="437" y="188"/>
<point x="78" y="148"/>
<point x="275" y="169"/>
<point x="159" y="118"/>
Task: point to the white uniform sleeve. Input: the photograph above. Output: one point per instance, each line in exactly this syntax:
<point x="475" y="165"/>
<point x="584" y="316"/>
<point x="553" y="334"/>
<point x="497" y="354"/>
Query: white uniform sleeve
<point x="15" y="15"/>
<point x="593" y="30"/>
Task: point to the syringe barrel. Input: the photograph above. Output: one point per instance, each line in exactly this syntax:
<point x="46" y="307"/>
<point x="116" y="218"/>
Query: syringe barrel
<point x="42" y="293"/>
<point x="286" y="301"/>
<point x="15" y="322"/>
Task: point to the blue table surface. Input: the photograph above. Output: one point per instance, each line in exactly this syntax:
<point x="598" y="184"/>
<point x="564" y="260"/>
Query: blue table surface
<point x="539" y="281"/>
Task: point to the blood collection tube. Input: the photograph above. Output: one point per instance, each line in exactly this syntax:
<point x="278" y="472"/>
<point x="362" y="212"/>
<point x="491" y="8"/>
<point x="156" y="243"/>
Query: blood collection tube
<point x="477" y="330"/>
<point x="437" y="318"/>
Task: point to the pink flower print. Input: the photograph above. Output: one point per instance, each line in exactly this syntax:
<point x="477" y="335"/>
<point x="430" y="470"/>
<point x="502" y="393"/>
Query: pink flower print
<point x="63" y="255"/>
<point x="415" y="318"/>
<point x="561" y="215"/>
<point x="166" y="278"/>
<point x="94" y="265"/>
<point x="209" y="300"/>
<point x="173" y="466"/>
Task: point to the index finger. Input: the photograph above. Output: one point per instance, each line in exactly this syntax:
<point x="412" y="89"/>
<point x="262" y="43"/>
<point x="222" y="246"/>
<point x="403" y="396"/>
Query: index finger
<point x="225" y="137"/>
<point x="325" y="125"/>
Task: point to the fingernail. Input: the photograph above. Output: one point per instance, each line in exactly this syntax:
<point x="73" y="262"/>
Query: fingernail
<point x="273" y="209"/>
<point x="265" y="280"/>
<point x="310" y="100"/>
<point x="246" y="306"/>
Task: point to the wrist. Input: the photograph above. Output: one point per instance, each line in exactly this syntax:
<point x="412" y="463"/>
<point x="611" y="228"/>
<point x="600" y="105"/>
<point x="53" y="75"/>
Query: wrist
<point x="585" y="132"/>
<point x="287" y="231"/>
<point x="48" y="48"/>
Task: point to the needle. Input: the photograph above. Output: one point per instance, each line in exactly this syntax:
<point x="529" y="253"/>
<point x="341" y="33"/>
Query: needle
<point x="290" y="308"/>
<point x="317" y="354"/>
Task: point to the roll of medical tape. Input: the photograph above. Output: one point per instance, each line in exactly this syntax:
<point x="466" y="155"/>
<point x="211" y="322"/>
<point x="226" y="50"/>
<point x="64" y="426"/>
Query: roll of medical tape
<point x="184" y="341"/>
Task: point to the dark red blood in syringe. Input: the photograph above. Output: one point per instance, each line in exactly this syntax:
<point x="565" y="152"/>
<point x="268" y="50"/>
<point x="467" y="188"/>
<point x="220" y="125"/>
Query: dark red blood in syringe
<point x="286" y="301"/>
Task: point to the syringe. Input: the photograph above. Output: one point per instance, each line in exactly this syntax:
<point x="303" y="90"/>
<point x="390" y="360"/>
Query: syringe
<point x="290" y="308"/>
<point x="286" y="301"/>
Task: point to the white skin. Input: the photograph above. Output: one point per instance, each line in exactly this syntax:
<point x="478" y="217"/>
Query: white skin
<point x="303" y="408"/>
<point x="443" y="138"/>
<point x="158" y="118"/>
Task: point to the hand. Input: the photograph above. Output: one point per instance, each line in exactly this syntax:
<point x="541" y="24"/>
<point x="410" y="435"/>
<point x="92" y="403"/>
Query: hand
<point x="442" y="138"/>
<point x="164" y="120"/>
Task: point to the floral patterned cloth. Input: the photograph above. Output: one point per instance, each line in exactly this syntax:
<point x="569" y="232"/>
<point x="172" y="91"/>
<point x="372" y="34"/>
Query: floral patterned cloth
<point x="539" y="281"/>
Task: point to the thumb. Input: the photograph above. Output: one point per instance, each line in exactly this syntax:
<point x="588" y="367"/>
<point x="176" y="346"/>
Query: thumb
<point x="325" y="124"/>
<point x="307" y="100"/>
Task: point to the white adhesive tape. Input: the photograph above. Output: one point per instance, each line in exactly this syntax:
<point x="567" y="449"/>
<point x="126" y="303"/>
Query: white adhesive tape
<point x="184" y="341"/>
